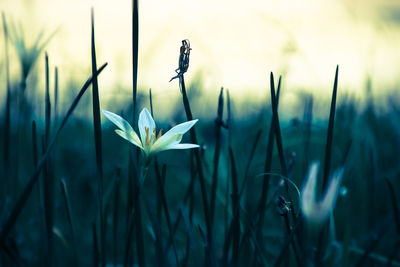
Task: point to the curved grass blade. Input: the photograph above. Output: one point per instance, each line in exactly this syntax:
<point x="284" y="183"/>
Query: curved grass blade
<point x="97" y="140"/>
<point x="7" y="132"/>
<point x="67" y="203"/>
<point x="218" y="123"/>
<point x="193" y="137"/>
<point x="20" y="203"/>
<point x="329" y="138"/>
<point x="235" y="212"/>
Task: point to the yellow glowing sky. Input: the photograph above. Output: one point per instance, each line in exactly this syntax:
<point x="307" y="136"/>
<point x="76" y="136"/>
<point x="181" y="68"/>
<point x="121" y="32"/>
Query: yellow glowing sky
<point x="235" y="43"/>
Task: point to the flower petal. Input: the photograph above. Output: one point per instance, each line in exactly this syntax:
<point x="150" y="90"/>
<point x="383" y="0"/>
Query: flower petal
<point x="329" y="200"/>
<point x="181" y="146"/>
<point x="308" y="192"/>
<point x="145" y="121"/>
<point x="133" y="139"/>
<point x="173" y="136"/>
<point x="124" y="126"/>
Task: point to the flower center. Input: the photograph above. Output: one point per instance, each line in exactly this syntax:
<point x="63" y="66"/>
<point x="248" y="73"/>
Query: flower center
<point x="150" y="140"/>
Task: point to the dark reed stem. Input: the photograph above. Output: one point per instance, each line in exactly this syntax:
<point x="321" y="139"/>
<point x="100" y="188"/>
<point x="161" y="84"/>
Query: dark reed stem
<point x="135" y="52"/>
<point x="193" y="137"/>
<point x="217" y="151"/>
<point x="48" y="181"/>
<point x="329" y="138"/>
<point x="129" y="239"/>
<point x="160" y="178"/>
<point x="20" y="203"/>
<point x="289" y="230"/>
<point x="6" y="152"/>
<point x="55" y="94"/>
<point x="277" y="126"/>
<point x="235" y="212"/>
<point x="117" y="190"/>
<point x="97" y="141"/>
<point x="251" y="156"/>
<point x="328" y="154"/>
<point x="229" y="128"/>
<point x="267" y="165"/>
<point x="38" y="185"/>
<point x="71" y="222"/>
<point x="288" y="241"/>
<point x="140" y="248"/>
<point x="395" y="206"/>
<point x="96" y="257"/>
<point x="151" y="103"/>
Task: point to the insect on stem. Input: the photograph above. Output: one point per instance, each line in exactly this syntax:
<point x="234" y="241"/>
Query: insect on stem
<point x="184" y="53"/>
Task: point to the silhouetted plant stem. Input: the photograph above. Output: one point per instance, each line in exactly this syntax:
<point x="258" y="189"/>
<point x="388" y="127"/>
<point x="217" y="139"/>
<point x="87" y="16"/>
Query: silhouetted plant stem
<point x="98" y="145"/>
<point x="4" y="183"/>
<point x="218" y="125"/>
<point x="193" y="136"/>
<point x="12" y="218"/>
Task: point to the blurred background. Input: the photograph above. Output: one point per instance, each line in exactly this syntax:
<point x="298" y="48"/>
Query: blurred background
<point x="235" y="45"/>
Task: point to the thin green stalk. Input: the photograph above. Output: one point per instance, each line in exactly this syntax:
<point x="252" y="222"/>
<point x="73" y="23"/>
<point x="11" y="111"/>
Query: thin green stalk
<point x="251" y="156"/>
<point x="267" y="165"/>
<point x="98" y="145"/>
<point x="235" y="212"/>
<point x="95" y="246"/>
<point x="329" y="138"/>
<point x="67" y="203"/>
<point x="55" y="94"/>
<point x="135" y="52"/>
<point x="165" y="206"/>
<point x="193" y="137"/>
<point x="7" y="132"/>
<point x="289" y="240"/>
<point x="48" y="181"/>
<point x="20" y="203"/>
<point x="217" y="151"/>
<point x="129" y="239"/>
<point x="138" y="217"/>
<point x="117" y="190"/>
<point x="328" y="154"/>
<point x="395" y="206"/>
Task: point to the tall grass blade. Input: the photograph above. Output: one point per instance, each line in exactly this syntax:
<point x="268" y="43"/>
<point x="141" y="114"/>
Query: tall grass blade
<point x="138" y="225"/>
<point x="251" y="156"/>
<point x="395" y="206"/>
<point x="117" y="198"/>
<point x="328" y="155"/>
<point x="55" y="94"/>
<point x="217" y="151"/>
<point x="21" y="201"/>
<point x="96" y="257"/>
<point x="267" y="168"/>
<point x="97" y="139"/>
<point x="193" y="137"/>
<point x="277" y="127"/>
<point x="7" y="133"/>
<point x="396" y="214"/>
<point x="160" y="182"/>
<point x="135" y="53"/>
<point x="288" y="241"/>
<point x="128" y="243"/>
<point x="267" y="165"/>
<point x="235" y="212"/>
<point x="329" y="138"/>
<point x="71" y="222"/>
<point x="48" y="182"/>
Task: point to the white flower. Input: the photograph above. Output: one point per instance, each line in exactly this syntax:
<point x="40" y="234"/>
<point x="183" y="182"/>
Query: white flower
<point x="318" y="212"/>
<point x="151" y="142"/>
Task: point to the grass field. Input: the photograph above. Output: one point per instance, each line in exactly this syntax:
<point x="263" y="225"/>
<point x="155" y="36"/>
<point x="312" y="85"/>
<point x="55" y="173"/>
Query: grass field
<point x="74" y="193"/>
